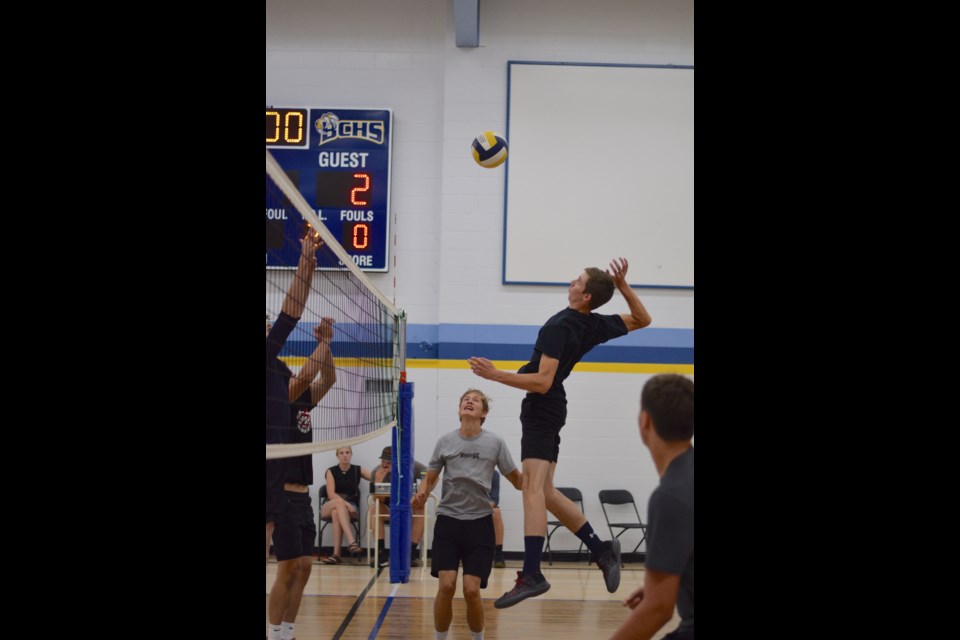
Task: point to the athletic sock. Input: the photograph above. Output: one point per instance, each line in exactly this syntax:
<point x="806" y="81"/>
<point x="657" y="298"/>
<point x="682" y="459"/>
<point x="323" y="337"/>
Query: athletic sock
<point x="533" y="548"/>
<point x="590" y="539"/>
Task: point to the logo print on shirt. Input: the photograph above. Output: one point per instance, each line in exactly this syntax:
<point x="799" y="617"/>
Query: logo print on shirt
<point x="303" y="421"/>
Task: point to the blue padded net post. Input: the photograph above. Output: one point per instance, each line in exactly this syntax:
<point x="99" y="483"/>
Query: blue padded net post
<point x="401" y="488"/>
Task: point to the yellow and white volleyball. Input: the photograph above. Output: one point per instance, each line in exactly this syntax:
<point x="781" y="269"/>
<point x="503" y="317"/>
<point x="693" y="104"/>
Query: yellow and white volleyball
<point x="489" y="149"/>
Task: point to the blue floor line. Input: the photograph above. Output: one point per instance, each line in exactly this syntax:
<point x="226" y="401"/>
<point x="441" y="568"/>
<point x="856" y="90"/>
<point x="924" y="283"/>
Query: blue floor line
<point x="383" y="614"/>
<point x="356" y="605"/>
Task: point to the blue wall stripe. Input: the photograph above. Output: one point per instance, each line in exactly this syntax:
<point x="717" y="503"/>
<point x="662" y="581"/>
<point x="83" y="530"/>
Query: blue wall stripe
<point x="602" y="353"/>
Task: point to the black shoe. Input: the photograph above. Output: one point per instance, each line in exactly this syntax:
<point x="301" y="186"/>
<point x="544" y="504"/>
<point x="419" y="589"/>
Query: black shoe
<point x="415" y="561"/>
<point x="609" y="563"/>
<point x="526" y="587"/>
<point x="498" y="563"/>
<point x="384" y="559"/>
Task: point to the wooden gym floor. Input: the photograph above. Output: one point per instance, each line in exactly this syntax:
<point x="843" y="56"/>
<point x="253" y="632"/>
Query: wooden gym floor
<point x="351" y="601"/>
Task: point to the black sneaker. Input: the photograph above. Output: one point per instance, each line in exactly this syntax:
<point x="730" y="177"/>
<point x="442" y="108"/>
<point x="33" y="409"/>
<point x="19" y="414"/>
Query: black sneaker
<point x="415" y="561"/>
<point x="526" y="587"/>
<point x="609" y="563"/>
<point x="499" y="563"/>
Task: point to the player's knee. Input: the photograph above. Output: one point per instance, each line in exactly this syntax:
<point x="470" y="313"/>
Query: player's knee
<point x="306" y="566"/>
<point x="446" y="591"/>
<point x="471" y="591"/>
<point x="288" y="572"/>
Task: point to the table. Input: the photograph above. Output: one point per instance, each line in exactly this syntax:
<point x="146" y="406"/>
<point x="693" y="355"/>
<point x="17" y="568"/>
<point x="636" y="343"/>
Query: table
<point x="372" y="531"/>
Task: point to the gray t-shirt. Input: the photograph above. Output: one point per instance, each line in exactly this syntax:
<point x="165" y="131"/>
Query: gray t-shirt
<point x="467" y="465"/>
<point x="670" y="531"/>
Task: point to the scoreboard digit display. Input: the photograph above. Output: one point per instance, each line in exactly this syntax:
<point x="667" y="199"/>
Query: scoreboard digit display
<point x="339" y="159"/>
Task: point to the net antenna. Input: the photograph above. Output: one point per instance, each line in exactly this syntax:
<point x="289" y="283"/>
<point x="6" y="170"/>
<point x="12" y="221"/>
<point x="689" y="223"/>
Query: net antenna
<point x="369" y="341"/>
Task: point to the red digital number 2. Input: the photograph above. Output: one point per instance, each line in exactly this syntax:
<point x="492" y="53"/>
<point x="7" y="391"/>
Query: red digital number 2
<point x="366" y="187"/>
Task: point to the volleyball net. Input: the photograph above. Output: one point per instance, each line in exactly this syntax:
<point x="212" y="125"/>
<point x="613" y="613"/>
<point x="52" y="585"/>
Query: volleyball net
<point x="367" y="345"/>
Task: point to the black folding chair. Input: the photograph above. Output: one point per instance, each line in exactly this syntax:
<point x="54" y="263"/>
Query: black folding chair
<point x="622" y="497"/>
<point x="553" y="525"/>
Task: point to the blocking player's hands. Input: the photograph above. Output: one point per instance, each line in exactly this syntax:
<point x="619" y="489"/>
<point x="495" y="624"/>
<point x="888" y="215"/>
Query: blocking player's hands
<point x="323" y="331"/>
<point x="309" y="244"/>
<point x="634" y="599"/>
<point x="619" y="271"/>
<point x="314" y="235"/>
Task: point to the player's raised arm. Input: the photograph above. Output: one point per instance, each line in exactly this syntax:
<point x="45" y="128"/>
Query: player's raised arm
<point x="320" y="362"/>
<point x="638" y="318"/>
<point x="539" y="382"/>
<point x="296" y="298"/>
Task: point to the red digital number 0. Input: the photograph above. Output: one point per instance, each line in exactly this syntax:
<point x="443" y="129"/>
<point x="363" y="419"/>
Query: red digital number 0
<point x="361" y="236"/>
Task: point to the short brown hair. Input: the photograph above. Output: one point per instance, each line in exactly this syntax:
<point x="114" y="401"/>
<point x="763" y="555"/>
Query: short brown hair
<point x="483" y="398"/>
<point x="668" y="400"/>
<point x="600" y="287"/>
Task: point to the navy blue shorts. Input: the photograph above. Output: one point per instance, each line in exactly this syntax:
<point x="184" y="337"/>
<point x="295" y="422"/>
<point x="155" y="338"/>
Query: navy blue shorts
<point x="295" y="530"/>
<point x="471" y="541"/>
<point x="541" y="419"/>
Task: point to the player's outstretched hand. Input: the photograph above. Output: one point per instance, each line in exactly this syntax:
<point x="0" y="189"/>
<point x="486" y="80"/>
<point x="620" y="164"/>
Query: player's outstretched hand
<point x="323" y="332"/>
<point x="309" y="245"/>
<point x="482" y="367"/>
<point x="619" y="271"/>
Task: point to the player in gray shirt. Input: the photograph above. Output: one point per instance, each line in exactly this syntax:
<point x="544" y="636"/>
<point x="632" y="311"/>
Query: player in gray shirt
<point x="464" y="528"/>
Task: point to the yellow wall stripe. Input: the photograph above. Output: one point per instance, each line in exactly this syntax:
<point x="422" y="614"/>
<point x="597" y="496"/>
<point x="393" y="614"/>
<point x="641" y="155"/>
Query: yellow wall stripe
<point x="507" y="365"/>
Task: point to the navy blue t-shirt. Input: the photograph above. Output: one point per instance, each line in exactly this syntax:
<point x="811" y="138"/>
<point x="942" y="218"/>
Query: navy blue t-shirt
<point x="568" y="336"/>
<point x="670" y="531"/>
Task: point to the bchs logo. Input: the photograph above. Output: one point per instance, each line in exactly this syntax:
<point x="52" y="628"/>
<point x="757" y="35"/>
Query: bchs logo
<point x="330" y="128"/>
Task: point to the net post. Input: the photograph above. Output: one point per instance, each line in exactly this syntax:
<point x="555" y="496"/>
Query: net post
<point x="401" y="489"/>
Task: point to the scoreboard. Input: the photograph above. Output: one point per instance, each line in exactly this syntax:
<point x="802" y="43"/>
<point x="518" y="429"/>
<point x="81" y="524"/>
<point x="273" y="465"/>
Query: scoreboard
<point x="339" y="159"/>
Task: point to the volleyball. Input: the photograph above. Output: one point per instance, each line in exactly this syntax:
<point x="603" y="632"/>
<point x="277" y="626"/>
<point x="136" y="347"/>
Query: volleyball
<point x="489" y="149"/>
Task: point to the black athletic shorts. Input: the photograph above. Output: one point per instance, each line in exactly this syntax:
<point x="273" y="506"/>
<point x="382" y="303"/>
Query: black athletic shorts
<point x="295" y="530"/>
<point x="471" y="541"/>
<point x="276" y="469"/>
<point x="541" y="419"/>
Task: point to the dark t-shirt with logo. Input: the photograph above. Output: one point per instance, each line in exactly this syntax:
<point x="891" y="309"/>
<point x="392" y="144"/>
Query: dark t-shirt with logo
<point x="300" y="469"/>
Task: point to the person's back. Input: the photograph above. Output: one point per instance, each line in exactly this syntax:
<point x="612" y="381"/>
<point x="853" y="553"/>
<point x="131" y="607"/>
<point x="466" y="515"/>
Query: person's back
<point x="666" y="429"/>
<point x="670" y="514"/>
